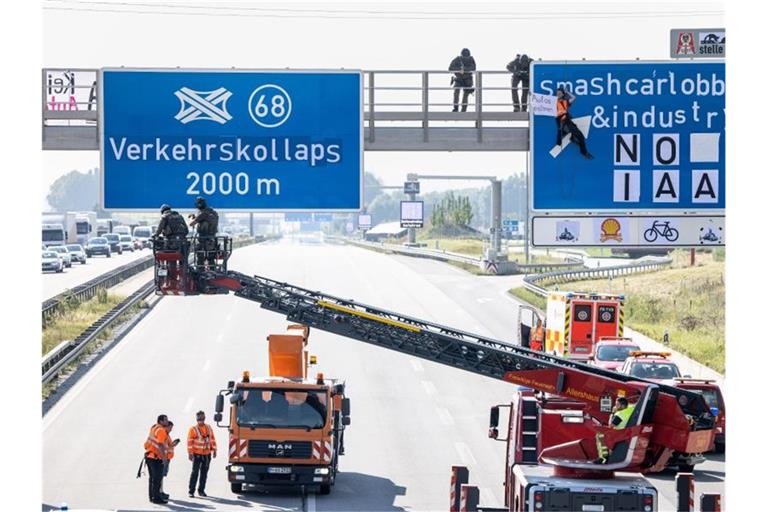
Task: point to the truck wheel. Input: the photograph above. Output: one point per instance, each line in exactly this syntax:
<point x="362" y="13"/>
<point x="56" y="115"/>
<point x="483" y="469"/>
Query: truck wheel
<point x="325" y="489"/>
<point x="719" y="447"/>
<point x="236" y="488"/>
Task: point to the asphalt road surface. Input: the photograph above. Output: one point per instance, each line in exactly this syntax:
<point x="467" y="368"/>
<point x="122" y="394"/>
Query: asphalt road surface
<point x="54" y="284"/>
<point x="411" y="419"/>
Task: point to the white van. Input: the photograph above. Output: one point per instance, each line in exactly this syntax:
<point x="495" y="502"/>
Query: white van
<point x="142" y="234"/>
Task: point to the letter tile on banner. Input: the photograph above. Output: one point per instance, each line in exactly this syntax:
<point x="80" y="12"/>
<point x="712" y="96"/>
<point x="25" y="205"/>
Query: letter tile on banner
<point x="653" y="129"/>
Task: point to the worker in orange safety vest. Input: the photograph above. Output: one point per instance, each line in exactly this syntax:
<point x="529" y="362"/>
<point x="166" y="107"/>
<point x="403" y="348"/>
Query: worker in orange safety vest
<point x="537" y="337"/>
<point x="201" y="443"/>
<point x="155" y="448"/>
<point x="170" y="444"/>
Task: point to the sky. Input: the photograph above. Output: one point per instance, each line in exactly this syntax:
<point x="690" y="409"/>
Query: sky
<point x="361" y="35"/>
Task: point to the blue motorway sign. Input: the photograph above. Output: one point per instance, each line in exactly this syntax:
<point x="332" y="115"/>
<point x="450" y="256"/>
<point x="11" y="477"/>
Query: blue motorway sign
<point x="644" y="136"/>
<point x="245" y="140"/>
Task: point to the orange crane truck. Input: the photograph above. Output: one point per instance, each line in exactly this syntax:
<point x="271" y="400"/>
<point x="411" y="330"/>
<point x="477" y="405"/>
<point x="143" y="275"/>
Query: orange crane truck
<point x="286" y="429"/>
<point x="562" y="451"/>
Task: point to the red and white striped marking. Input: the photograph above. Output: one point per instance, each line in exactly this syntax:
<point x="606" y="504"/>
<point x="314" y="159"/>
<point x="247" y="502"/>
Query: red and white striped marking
<point x="322" y="450"/>
<point x="238" y="448"/>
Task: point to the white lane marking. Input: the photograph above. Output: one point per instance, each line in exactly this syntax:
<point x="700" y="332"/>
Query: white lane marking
<point x="417" y="366"/>
<point x="487" y="498"/>
<point x="188" y="405"/>
<point x="219" y="338"/>
<point x="311" y="505"/>
<point x="207" y="365"/>
<point x="429" y="388"/>
<point x="483" y="300"/>
<point x="445" y="416"/>
<point x="229" y="318"/>
<point x="465" y="453"/>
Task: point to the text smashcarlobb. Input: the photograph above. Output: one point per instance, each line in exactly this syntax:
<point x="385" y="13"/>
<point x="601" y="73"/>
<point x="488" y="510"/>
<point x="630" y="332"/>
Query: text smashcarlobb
<point x="235" y="149"/>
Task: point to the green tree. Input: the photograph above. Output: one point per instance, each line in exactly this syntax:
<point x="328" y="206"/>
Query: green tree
<point x="75" y="191"/>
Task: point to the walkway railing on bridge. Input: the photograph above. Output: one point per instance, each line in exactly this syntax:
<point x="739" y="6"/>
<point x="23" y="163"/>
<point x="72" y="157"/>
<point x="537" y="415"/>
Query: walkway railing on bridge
<point x="403" y="110"/>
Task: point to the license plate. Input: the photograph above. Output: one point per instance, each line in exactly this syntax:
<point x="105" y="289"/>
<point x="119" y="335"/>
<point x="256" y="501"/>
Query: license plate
<point x="592" y="508"/>
<point x="278" y="470"/>
<point x="162" y="272"/>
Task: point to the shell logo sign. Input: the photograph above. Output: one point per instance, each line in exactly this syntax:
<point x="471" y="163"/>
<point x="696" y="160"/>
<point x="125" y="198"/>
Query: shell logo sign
<point x="610" y="229"/>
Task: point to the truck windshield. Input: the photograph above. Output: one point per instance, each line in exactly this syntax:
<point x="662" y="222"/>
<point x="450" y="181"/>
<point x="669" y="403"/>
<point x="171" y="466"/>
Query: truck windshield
<point x="142" y="232"/>
<point x="614" y="352"/>
<point x="282" y="408"/>
<point x="83" y="227"/>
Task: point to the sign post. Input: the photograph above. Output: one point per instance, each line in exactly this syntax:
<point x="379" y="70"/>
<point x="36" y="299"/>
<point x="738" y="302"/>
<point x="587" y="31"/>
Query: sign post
<point x="244" y="140"/>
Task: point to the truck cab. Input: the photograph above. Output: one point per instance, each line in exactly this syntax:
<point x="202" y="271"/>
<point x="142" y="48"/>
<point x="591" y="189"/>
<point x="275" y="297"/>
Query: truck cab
<point x="286" y="429"/>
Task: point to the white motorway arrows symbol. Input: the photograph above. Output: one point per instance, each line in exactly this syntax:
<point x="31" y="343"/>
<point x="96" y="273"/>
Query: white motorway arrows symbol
<point x="583" y="124"/>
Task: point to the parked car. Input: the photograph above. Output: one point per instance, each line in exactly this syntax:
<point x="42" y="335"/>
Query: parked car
<point x="114" y="242"/>
<point x="77" y="253"/>
<point x="126" y="242"/>
<point x="650" y="365"/>
<point x="611" y="352"/>
<point x="52" y="262"/>
<point x="98" y="245"/>
<point x="63" y="253"/>
<point x="714" y="398"/>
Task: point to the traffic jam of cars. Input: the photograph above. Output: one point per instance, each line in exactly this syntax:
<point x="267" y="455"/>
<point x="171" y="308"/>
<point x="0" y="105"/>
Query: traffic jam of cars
<point x="59" y="256"/>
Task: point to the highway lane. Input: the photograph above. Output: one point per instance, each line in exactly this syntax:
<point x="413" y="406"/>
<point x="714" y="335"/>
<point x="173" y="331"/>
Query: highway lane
<point x="411" y="419"/>
<point x="54" y="284"/>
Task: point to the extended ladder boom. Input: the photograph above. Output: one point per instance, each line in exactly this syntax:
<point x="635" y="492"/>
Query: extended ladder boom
<point x="680" y="419"/>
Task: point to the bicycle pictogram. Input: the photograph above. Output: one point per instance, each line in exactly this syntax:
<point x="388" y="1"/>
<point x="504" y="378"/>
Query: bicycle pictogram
<point x="661" y="229"/>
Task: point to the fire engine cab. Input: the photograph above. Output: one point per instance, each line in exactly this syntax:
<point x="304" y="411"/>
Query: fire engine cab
<point x="574" y="322"/>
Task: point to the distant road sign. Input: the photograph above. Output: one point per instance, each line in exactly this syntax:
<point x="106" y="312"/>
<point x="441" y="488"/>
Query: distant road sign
<point x="656" y="130"/>
<point x="245" y="140"/>
<point x="626" y="231"/>
<point x="364" y="221"/>
<point x="411" y="187"/>
<point x="411" y="214"/>
<point x="511" y="225"/>
<point x="298" y="217"/>
<point x="697" y="43"/>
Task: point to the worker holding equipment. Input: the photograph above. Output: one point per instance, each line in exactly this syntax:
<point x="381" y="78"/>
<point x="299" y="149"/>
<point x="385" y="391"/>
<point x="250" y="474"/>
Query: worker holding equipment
<point x="537" y="337"/>
<point x="621" y="413"/>
<point x="155" y="448"/>
<point x="201" y="443"/>
<point x="171" y="224"/>
<point x="207" y="222"/>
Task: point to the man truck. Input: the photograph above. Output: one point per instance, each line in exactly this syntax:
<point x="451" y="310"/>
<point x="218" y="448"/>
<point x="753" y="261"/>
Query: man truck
<point x="287" y="428"/>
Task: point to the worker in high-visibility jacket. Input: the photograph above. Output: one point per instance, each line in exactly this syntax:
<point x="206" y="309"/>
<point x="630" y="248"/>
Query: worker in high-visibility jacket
<point x="565" y="124"/>
<point x="537" y="337"/>
<point x="201" y="444"/>
<point x="170" y="444"/>
<point x="621" y="413"/>
<point x="155" y="448"/>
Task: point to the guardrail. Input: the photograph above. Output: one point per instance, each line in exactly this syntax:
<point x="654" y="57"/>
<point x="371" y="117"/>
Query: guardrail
<point x="441" y="255"/>
<point x="533" y="282"/>
<point x="88" y="289"/>
<point x="67" y="351"/>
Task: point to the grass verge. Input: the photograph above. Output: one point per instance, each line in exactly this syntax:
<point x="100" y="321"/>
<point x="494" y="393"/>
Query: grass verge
<point x="688" y="302"/>
<point x="74" y="318"/>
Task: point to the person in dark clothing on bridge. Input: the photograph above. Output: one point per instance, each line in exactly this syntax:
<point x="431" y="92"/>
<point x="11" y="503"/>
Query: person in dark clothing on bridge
<point x="462" y="67"/>
<point x="521" y="74"/>
<point x="171" y="224"/>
